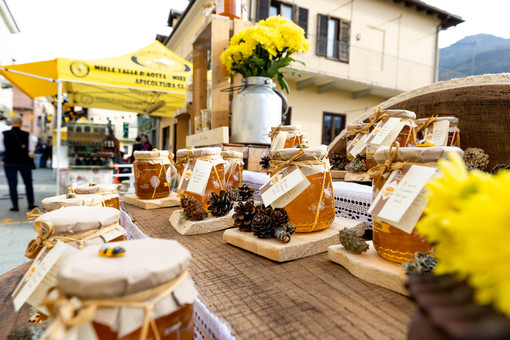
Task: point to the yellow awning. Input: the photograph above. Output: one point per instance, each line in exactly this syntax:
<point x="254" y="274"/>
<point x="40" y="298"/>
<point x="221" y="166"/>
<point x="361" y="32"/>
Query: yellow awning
<point x="151" y="80"/>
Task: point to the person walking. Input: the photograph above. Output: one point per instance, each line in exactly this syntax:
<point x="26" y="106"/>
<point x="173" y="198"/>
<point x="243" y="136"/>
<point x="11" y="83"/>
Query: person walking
<point x="138" y="146"/>
<point x="146" y="144"/>
<point x="18" y="150"/>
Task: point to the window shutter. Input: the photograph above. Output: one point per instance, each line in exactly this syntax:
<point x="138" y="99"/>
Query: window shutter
<point x="302" y="20"/>
<point x="344" y="37"/>
<point x="263" y="9"/>
<point x="322" y="34"/>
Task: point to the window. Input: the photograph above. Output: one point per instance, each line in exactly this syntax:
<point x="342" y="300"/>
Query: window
<point x="268" y="8"/>
<point x="332" y="125"/>
<point x="333" y="37"/>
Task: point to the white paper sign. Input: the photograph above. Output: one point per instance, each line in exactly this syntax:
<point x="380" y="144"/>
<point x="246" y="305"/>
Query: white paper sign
<point x="440" y="133"/>
<point x="41" y="276"/>
<point x="358" y="144"/>
<point x="279" y="142"/>
<point x="385" y="132"/>
<point x="413" y="214"/>
<point x="200" y="177"/>
<point x="284" y="187"/>
<point x="406" y="192"/>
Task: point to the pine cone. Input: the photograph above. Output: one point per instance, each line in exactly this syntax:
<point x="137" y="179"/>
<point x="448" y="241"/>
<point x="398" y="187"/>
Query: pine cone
<point x="476" y="158"/>
<point x="245" y="192"/>
<point x="290" y="228"/>
<point x="357" y="165"/>
<point x="264" y="162"/>
<point x="262" y="209"/>
<point x="279" y="217"/>
<point x="233" y="194"/>
<point x="262" y="227"/>
<point x="500" y="167"/>
<point x="220" y="205"/>
<point x="281" y="234"/>
<point x="244" y="213"/>
<point x="338" y="161"/>
<point x="194" y="209"/>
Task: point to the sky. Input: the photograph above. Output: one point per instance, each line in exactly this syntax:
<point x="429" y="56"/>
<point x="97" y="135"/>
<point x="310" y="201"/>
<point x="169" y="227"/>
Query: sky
<point x="97" y="29"/>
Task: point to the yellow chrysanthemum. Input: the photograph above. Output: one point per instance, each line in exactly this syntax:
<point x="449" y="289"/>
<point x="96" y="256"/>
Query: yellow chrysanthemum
<point x="467" y="219"/>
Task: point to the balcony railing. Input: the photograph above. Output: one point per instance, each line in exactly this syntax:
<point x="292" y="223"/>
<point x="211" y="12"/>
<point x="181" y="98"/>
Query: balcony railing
<point x="370" y="67"/>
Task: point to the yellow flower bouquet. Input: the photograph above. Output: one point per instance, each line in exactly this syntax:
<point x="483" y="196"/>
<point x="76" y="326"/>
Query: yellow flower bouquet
<point x="263" y="49"/>
<point x="468" y="221"/>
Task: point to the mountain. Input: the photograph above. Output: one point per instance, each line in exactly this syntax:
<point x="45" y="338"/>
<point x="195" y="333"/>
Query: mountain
<point x="481" y="53"/>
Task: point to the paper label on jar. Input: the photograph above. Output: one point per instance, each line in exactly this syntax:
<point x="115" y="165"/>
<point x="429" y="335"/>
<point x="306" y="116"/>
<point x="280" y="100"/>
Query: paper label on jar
<point x="401" y="200"/>
<point x="438" y="132"/>
<point x="41" y="276"/>
<point x="196" y="176"/>
<point x="385" y="132"/>
<point x="358" y="144"/>
<point x="283" y="187"/>
<point x="279" y="141"/>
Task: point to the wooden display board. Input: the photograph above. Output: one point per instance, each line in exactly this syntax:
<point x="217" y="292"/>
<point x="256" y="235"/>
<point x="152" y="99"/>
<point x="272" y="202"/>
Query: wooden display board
<point x="166" y="202"/>
<point x="210" y="224"/>
<point x="301" y="244"/>
<point x="370" y="267"/>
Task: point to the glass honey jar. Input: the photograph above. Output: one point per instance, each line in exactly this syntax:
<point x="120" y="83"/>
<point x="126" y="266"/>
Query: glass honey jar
<point x="192" y="161"/>
<point x="108" y="191"/>
<point x="152" y="174"/>
<point x="286" y="136"/>
<point x="233" y="168"/>
<point x="121" y="282"/>
<point x="356" y="132"/>
<point x="78" y="227"/>
<point x="72" y="200"/>
<point x="391" y="242"/>
<point x="425" y="128"/>
<point x="314" y="208"/>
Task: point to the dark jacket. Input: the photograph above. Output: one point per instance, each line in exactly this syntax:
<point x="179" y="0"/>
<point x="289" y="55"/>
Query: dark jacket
<point x="16" y="146"/>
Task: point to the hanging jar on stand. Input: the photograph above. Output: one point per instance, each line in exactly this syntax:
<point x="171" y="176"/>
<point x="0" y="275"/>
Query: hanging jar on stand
<point x="255" y="109"/>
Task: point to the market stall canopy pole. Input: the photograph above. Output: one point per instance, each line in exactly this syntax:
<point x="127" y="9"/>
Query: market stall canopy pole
<point x="151" y="80"/>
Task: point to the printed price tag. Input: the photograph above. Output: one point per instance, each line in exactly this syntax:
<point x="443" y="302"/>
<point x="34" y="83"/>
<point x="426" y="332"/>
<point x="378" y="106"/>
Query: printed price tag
<point x="284" y="187"/>
<point x="41" y="276"/>
<point x="195" y="177"/>
<point x="358" y="144"/>
<point x="438" y="132"/>
<point x="279" y="141"/>
<point x="385" y="132"/>
<point x="401" y="201"/>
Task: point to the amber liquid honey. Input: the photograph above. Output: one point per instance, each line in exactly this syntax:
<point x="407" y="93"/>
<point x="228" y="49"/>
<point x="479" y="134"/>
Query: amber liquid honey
<point x="175" y="326"/>
<point x="303" y="208"/>
<point x="234" y="176"/>
<point x="112" y="203"/>
<point x="214" y="184"/>
<point x="293" y="141"/>
<point x="392" y="243"/>
<point x="150" y="179"/>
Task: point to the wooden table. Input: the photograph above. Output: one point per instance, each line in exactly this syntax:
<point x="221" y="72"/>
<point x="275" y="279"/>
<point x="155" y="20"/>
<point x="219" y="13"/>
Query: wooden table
<point x="310" y="298"/>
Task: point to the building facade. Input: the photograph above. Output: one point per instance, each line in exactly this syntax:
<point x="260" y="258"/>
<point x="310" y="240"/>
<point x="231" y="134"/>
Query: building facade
<point x="362" y="53"/>
<point x="8" y="27"/>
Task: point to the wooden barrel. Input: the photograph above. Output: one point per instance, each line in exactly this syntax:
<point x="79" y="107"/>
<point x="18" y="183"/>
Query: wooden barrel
<point x="482" y="104"/>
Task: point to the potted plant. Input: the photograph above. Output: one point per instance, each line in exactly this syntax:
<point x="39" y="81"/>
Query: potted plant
<point x="259" y="53"/>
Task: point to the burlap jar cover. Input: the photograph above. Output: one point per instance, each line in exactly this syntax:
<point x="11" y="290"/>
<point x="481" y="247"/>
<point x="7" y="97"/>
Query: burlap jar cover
<point x="76" y="226"/>
<point x="152" y="174"/>
<point x="396" y="158"/>
<point x="233" y="167"/>
<point x="317" y="200"/>
<point x="292" y="136"/>
<point x="108" y="191"/>
<point x="57" y="202"/>
<point x="125" y="293"/>
<point x="424" y="125"/>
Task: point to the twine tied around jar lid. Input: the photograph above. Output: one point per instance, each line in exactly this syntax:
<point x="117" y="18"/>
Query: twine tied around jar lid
<point x="35" y="213"/>
<point x="67" y="314"/>
<point x="379" y="115"/>
<point x="389" y="165"/>
<point x="273" y="133"/>
<point x="47" y="238"/>
<point x="209" y="158"/>
<point x="425" y="125"/>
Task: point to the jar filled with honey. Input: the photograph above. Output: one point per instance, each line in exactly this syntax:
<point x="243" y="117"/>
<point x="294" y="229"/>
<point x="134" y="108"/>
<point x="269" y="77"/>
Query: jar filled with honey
<point x="233" y="169"/>
<point x="357" y="135"/>
<point x="108" y="191"/>
<point x="314" y="208"/>
<point x="203" y="172"/>
<point x="152" y="174"/>
<point x="286" y="136"/>
<point x="391" y="242"/>
<point x="427" y="129"/>
<point x="138" y="289"/>
<point x="72" y="200"/>
<point x="405" y="138"/>
<point x="78" y="227"/>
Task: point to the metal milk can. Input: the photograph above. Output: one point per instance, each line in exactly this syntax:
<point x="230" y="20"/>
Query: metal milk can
<point x="255" y="109"/>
